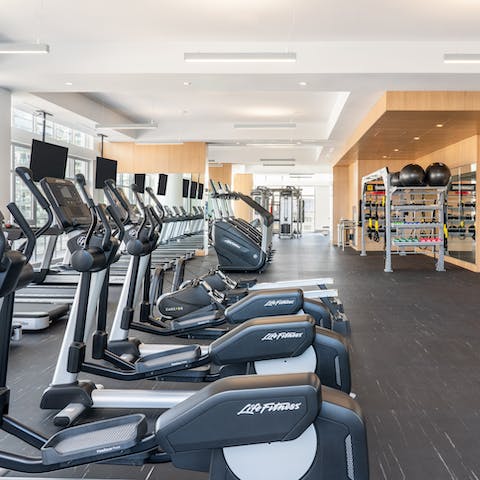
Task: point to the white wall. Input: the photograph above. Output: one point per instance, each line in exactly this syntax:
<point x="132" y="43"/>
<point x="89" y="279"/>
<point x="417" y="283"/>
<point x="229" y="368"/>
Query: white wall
<point x="5" y="133"/>
<point x="323" y="206"/>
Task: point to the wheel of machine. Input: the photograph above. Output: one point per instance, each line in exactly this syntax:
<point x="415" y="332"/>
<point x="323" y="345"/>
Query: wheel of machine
<point x="437" y="175"/>
<point x="395" y="179"/>
<point x="412" y="175"/>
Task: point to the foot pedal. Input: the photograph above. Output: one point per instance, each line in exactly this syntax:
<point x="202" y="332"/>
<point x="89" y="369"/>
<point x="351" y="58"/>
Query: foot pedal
<point x="94" y="440"/>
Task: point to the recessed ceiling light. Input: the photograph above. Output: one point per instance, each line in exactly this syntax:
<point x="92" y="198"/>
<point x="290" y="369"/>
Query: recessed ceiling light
<point x="264" y="125"/>
<point x="385" y="156"/>
<point x="439" y="125"/>
<point x="238" y="143"/>
<point x="187" y="84"/>
<point x="396" y="150"/>
<point x="23" y="48"/>
<point x="68" y="84"/>
<point x="299" y="143"/>
<point x="461" y="58"/>
<point x="240" y="57"/>
<point x="416" y="138"/>
<point x="303" y="84"/>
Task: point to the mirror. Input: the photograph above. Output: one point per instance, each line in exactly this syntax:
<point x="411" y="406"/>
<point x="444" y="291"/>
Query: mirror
<point x="461" y="213"/>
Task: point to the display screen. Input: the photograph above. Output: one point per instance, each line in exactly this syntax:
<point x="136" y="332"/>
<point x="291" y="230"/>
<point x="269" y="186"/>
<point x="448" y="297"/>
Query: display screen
<point x="200" y="191"/>
<point x="193" y="190"/>
<point x="140" y="182"/>
<point x="106" y="170"/>
<point x="48" y="160"/>
<point x="186" y="188"/>
<point x="162" y="184"/>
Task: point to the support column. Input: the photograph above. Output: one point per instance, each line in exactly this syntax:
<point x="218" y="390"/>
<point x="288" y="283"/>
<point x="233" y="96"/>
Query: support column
<point x="5" y="148"/>
<point x="173" y="195"/>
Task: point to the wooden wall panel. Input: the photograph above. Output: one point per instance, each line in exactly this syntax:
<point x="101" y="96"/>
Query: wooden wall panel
<point x="341" y="197"/>
<point x="243" y="182"/>
<point x="460" y="153"/>
<point x="433" y="101"/>
<point x="221" y="174"/>
<point x="190" y="157"/>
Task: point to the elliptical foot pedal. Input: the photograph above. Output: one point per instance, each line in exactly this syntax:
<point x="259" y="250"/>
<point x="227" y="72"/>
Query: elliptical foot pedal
<point x="95" y="439"/>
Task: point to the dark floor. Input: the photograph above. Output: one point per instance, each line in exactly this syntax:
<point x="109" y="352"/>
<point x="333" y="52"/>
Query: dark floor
<point x="415" y="362"/>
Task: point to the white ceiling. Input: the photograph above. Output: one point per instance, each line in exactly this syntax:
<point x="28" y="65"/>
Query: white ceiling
<point x="126" y="61"/>
<point x="232" y="20"/>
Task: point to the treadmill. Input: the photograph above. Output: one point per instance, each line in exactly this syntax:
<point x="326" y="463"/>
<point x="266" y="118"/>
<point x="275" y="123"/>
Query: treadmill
<point x="33" y="315"/>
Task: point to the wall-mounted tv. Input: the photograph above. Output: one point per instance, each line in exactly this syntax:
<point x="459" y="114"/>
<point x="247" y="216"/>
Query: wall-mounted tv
<point x="140" y="182"/>
<point x="106" y="170"/>
<point x="185" y="188"/>
<point x="200" y="191"/>
<point x="48" y="160"/>
<point x="193" y="189"/>
<point x="162" y="184"/>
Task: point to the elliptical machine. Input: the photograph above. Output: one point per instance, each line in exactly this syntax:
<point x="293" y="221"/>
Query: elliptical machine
<point x="233" y="429"/>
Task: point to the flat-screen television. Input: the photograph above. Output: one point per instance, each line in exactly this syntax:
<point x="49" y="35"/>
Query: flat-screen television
<point x="193" y="189"/>
<point x="162" y="184"/>
<point x="200" y="191"/>
<point x="106" y="170"/>
<point x="47" y="160"/>
<point x="140" y="182"/>
<point x="186" y="188"/>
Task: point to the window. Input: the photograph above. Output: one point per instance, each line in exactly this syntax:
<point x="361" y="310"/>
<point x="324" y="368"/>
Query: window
<point x="30" y="122"/>
<point x="63" y="133"/>
<point x="22" y="120"/>
<point x="39" y="127"/>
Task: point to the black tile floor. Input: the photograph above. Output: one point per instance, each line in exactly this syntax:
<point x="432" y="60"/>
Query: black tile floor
<point x="415" y="360"/>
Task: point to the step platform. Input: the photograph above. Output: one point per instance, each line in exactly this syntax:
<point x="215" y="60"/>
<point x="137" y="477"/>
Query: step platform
<point x="95" y="439"/>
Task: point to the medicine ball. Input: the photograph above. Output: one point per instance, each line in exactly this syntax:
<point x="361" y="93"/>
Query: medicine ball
<point x="412" y="175"/>
<point x="437" y="175"/>
<point x="395" y="179"/>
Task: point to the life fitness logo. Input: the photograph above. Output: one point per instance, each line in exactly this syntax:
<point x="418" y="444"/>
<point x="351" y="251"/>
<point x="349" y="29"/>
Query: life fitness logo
<point x="270" y="407"/>
<point x="277" y="303"/>
<point x="81" y="240"/>
<point x="272" y="336"/>
<point x="233" y="244"/>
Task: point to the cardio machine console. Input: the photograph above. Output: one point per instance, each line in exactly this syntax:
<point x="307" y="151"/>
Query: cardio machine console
<point x="66" y="202"/>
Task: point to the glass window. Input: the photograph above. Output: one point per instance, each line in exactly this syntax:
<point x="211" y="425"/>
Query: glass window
<point x="21" y="156"/>
<point x="63" y="133"/>
<point x="23" y="199"/>
<point x="78" y="138"/>
<point x="39" y="127"/>
<point x="89" y="142"/>
<point x="22" y="120"/>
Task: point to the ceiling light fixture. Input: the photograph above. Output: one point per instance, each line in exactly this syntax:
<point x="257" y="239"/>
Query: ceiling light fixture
<point x="396" y="150"/>
<point x="68" y="84"/>
<point x="278" y="164"/>
<point x="187" y="84"/>
<point x="266" y="144"/>
<point x="240" y="57"/>
<point x="277" y="160"/>
<point x="254" y="126"/>
<point x="461" y="58"/>
<point x="385" y="156"/>
<point x="439" y="125"/>
<point x="416" y="138"/>
<point x="303" y="84"/>
<point x="128" y="126"/>
<point x="150" y="142"/>
<point x="23" y="48"/>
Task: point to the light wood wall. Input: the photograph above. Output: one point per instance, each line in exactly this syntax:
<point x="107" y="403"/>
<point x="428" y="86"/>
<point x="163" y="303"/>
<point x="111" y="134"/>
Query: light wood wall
<point x="221" y="174"/>
<point x="243" y="183"/>
<point x="189" y="157"/>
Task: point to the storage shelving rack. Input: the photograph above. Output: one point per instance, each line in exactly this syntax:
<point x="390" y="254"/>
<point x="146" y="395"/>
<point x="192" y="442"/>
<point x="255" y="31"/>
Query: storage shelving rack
<point x="410" y="202"/>
<point x="380" y="178"/>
